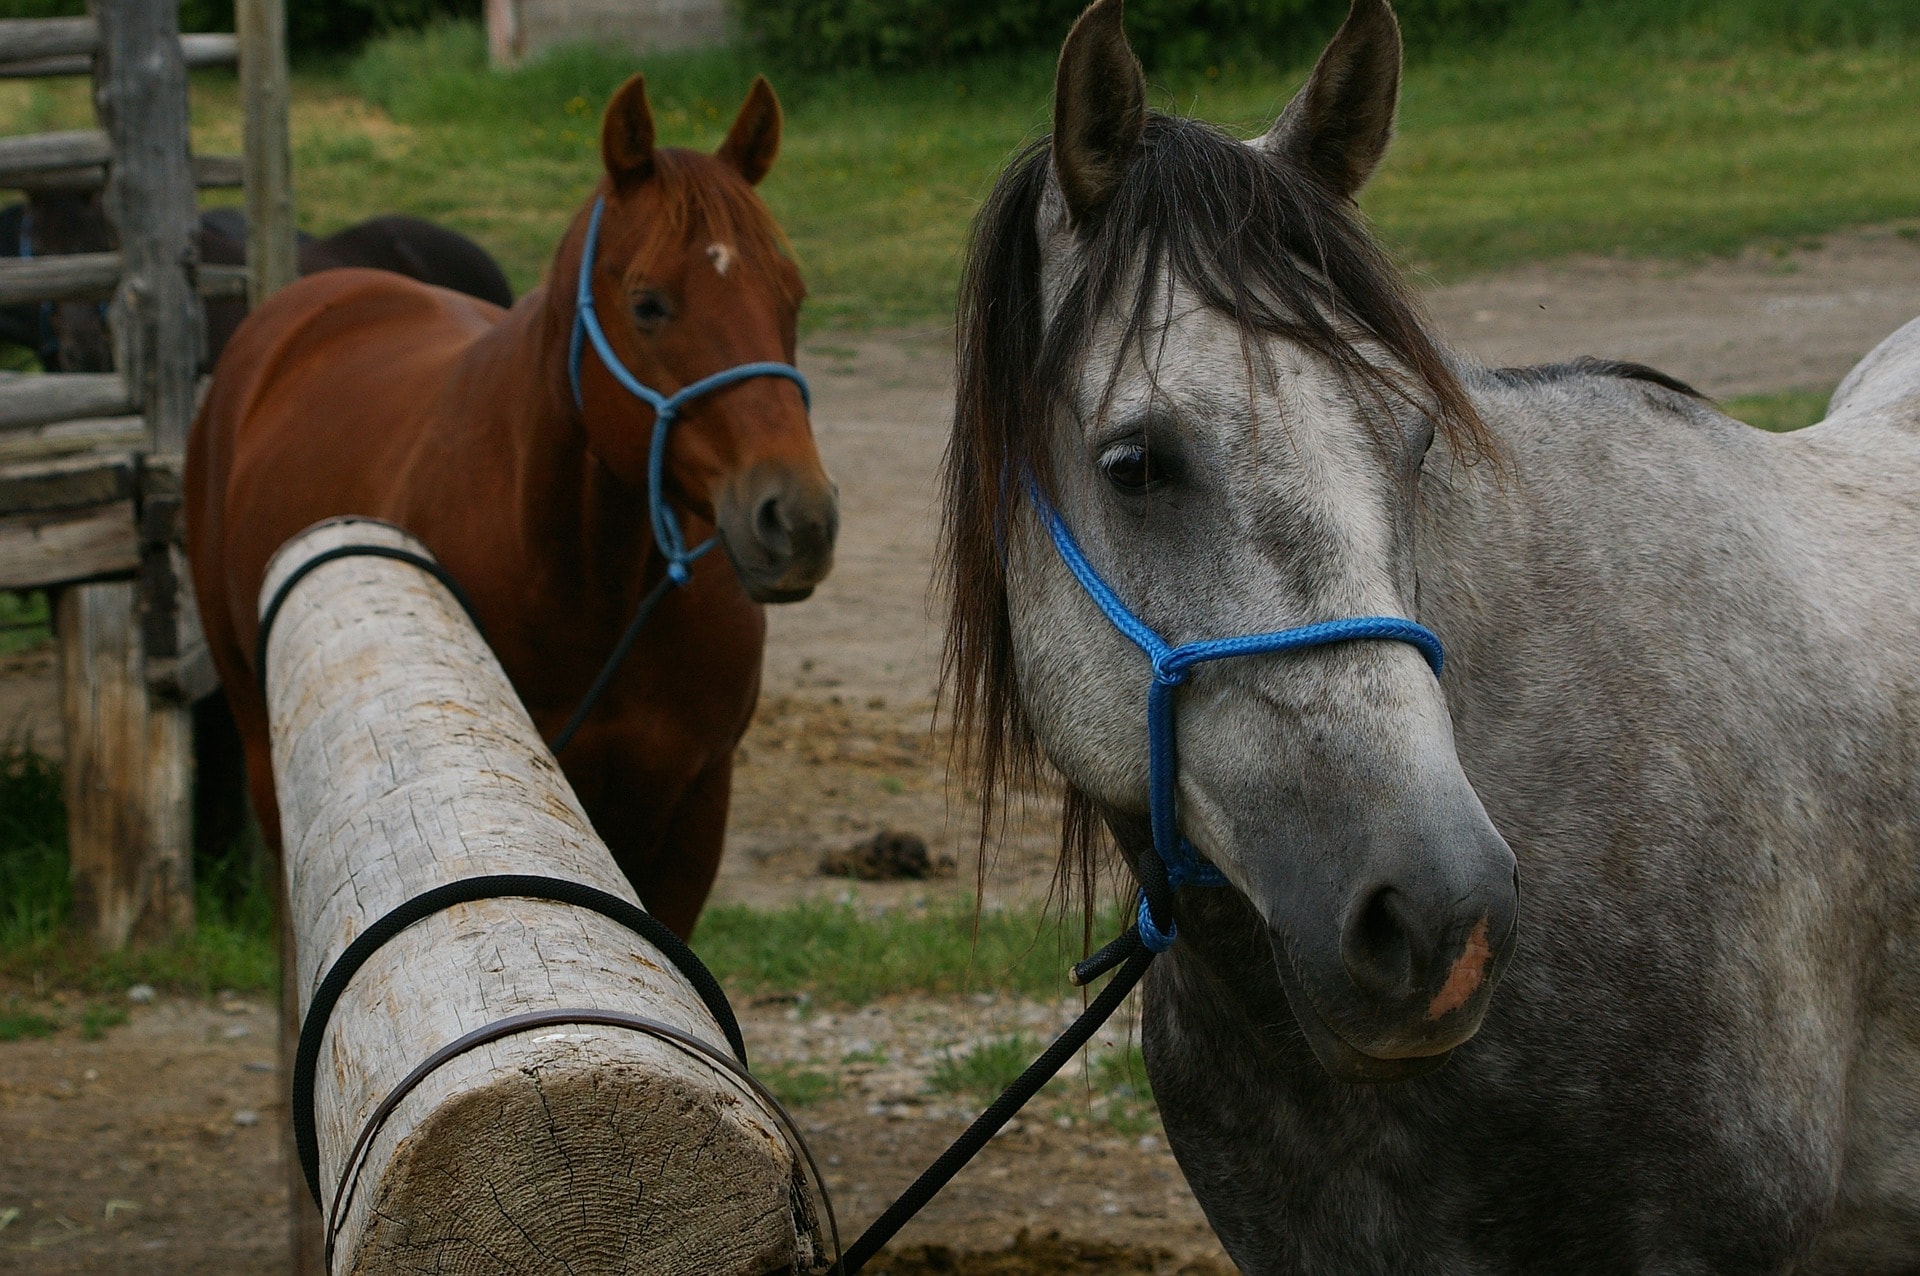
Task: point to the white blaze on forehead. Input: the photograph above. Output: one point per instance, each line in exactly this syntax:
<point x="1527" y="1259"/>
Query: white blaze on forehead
<point x="721" y="255"/>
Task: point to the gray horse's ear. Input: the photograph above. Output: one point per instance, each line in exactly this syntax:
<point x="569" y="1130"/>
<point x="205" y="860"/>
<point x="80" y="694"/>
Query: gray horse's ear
<point x="1099" y="110"/>
<point x="1338" y="126"/>
<point x="626" y="133"/>
<point x="754" y="139"/>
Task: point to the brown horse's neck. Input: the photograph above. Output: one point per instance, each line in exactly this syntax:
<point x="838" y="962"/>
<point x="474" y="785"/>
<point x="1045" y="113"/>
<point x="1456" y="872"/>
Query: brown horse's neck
<point x="579" y="530"/>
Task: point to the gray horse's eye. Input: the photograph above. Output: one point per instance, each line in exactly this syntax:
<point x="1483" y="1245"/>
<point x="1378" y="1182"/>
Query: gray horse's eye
<point x="651" y="309"/>
<point x="1131" y="468"/>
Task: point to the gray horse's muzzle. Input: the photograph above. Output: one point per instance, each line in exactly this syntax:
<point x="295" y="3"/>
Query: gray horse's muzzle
<point x="1392" y="964"/>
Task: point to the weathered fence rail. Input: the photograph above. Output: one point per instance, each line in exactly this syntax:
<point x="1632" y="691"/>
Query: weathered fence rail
<point x="404" y="761"/>
<point x="89" y="462"/>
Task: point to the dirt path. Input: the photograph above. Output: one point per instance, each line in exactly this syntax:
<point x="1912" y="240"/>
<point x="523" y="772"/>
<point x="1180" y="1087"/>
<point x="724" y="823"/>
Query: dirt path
<point x="152" y="1148"/>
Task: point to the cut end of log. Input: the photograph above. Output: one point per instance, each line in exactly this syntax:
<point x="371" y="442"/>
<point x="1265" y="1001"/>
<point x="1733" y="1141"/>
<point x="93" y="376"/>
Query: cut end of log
<point x="585" y="1163"/>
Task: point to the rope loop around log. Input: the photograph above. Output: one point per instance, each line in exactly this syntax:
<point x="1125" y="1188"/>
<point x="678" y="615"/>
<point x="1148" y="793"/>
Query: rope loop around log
<point x="465" y="891"/>
<point x="513" y="1024"/>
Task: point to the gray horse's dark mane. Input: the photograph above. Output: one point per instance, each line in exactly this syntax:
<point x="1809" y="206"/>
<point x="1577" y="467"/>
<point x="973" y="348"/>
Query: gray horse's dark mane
<point x="1257" y="238"/>
<point x="1588" y="366"/>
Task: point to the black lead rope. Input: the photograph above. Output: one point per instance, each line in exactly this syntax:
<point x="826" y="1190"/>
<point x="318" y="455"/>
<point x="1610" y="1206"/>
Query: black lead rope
<point x="605" y="676"/>
<point x="1133" y="957"/>
<point x="306" y="1058"/>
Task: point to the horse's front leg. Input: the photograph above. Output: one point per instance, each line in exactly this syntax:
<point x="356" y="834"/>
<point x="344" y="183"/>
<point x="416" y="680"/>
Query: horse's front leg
<point x="670" y="862"/>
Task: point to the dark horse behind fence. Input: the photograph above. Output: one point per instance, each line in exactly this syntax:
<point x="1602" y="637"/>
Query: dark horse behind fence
<point x="73" y="337"/>
<point x="1680" y="695"/>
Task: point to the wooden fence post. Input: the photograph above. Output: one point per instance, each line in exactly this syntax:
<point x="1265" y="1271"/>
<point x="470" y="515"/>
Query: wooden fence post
<point x="128" y="807"/>
<point x="129" y="753"/>
<point x="404" y="761"/>
<point x="272" y="260"/>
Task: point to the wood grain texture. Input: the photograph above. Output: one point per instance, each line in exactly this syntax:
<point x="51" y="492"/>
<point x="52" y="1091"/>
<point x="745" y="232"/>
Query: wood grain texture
<point x="403" y="761"/>
<point x="66" y="483"/>
<point x="50" y="548"/>
<point x="128" y="799"/>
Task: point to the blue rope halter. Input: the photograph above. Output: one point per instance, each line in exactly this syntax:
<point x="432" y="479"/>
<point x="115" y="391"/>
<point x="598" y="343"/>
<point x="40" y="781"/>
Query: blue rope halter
<point x="1171" y="665"/>
<point x="666" y="407"/>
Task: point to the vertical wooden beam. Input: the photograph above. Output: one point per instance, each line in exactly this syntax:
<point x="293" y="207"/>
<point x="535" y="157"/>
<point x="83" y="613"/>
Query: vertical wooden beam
<point x="129" y="757"/>
<point x="140" y="92"/>
<point x="264" y="94"/>
<point x="128" y="809"/>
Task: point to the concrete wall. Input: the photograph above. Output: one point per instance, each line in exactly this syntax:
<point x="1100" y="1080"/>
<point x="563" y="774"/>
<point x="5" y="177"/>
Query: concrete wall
<point x="519" y="29"/>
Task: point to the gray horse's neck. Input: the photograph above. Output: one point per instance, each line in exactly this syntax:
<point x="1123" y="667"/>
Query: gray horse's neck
<point x="1656" y="599"/>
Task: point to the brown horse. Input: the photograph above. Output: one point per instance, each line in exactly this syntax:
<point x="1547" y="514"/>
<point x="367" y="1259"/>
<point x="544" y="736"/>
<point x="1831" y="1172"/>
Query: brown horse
<point x="362" y="392"/>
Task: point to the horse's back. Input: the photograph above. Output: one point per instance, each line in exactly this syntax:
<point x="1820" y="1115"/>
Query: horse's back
<point x="317" y="407"/>
<point x="1884" y="384"/>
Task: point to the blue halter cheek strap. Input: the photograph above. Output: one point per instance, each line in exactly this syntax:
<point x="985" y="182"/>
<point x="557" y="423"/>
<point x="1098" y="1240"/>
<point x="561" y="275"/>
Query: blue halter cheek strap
<point x="1171" y="665"/>
<point x="666" y="407"/>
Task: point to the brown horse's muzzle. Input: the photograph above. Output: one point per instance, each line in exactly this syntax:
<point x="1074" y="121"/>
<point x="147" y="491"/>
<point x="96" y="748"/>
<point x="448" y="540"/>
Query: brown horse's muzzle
<point x="778" y="524"/>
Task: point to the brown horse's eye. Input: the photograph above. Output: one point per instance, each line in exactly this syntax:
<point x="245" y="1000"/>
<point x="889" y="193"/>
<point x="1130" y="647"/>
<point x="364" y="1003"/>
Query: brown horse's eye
<point x="651" y="309"/>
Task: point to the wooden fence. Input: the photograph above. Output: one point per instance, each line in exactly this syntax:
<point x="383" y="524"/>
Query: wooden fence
<point x="90" y="462"/>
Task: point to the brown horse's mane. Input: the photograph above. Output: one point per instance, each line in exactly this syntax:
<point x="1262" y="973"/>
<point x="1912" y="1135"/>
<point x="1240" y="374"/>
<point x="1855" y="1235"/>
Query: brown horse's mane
<point x="699" y="192"/>
<point x="1260" y="241"/>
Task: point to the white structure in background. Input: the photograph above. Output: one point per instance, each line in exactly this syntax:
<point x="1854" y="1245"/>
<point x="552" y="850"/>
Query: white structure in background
<point x="519" y="29"/>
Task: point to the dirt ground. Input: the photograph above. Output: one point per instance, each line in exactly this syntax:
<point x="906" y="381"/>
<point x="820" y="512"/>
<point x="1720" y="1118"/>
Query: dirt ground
<point x="154" y="1148"/>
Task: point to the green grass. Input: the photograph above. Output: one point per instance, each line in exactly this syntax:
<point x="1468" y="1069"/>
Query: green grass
<point x="1787" y="410"/>
<point x="843" y="955"/>
<point x="25" y="622"/>
<point x="1676" y="142"/>
<point x="231" y="946"/>
<point x="22" y="1025"/>
<point x="796" y="1086"/>
<point x="988" y="1068"/>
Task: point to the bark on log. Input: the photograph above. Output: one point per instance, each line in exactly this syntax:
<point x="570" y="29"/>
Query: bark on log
<point x="404" y="761"/>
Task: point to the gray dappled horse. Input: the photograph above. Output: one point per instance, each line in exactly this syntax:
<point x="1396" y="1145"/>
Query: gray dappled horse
<point x="1682" y="682"/>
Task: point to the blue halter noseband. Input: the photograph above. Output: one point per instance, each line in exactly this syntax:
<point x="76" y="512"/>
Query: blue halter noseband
<point x="1183" y="865"/>
<point x="666" y="407"/>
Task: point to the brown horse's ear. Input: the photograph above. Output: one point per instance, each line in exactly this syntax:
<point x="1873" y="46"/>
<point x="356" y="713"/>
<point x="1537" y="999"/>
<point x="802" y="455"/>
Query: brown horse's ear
<point x="626" y="134"/>
<point x="1099" y="110"/>
<point x="1338" y="126"/>
<point x="754" y="139"/>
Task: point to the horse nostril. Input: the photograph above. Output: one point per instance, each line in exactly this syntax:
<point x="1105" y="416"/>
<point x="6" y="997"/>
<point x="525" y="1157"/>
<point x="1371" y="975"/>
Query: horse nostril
<point x="769" y="526"/>
<point x="1379" y="947"/>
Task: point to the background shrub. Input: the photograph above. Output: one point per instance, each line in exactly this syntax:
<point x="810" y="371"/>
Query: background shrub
<point x="837" y="34"/>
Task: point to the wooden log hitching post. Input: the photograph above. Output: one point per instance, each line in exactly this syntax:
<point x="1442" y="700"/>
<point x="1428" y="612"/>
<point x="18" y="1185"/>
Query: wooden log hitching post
<point x="403" y="760"/>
